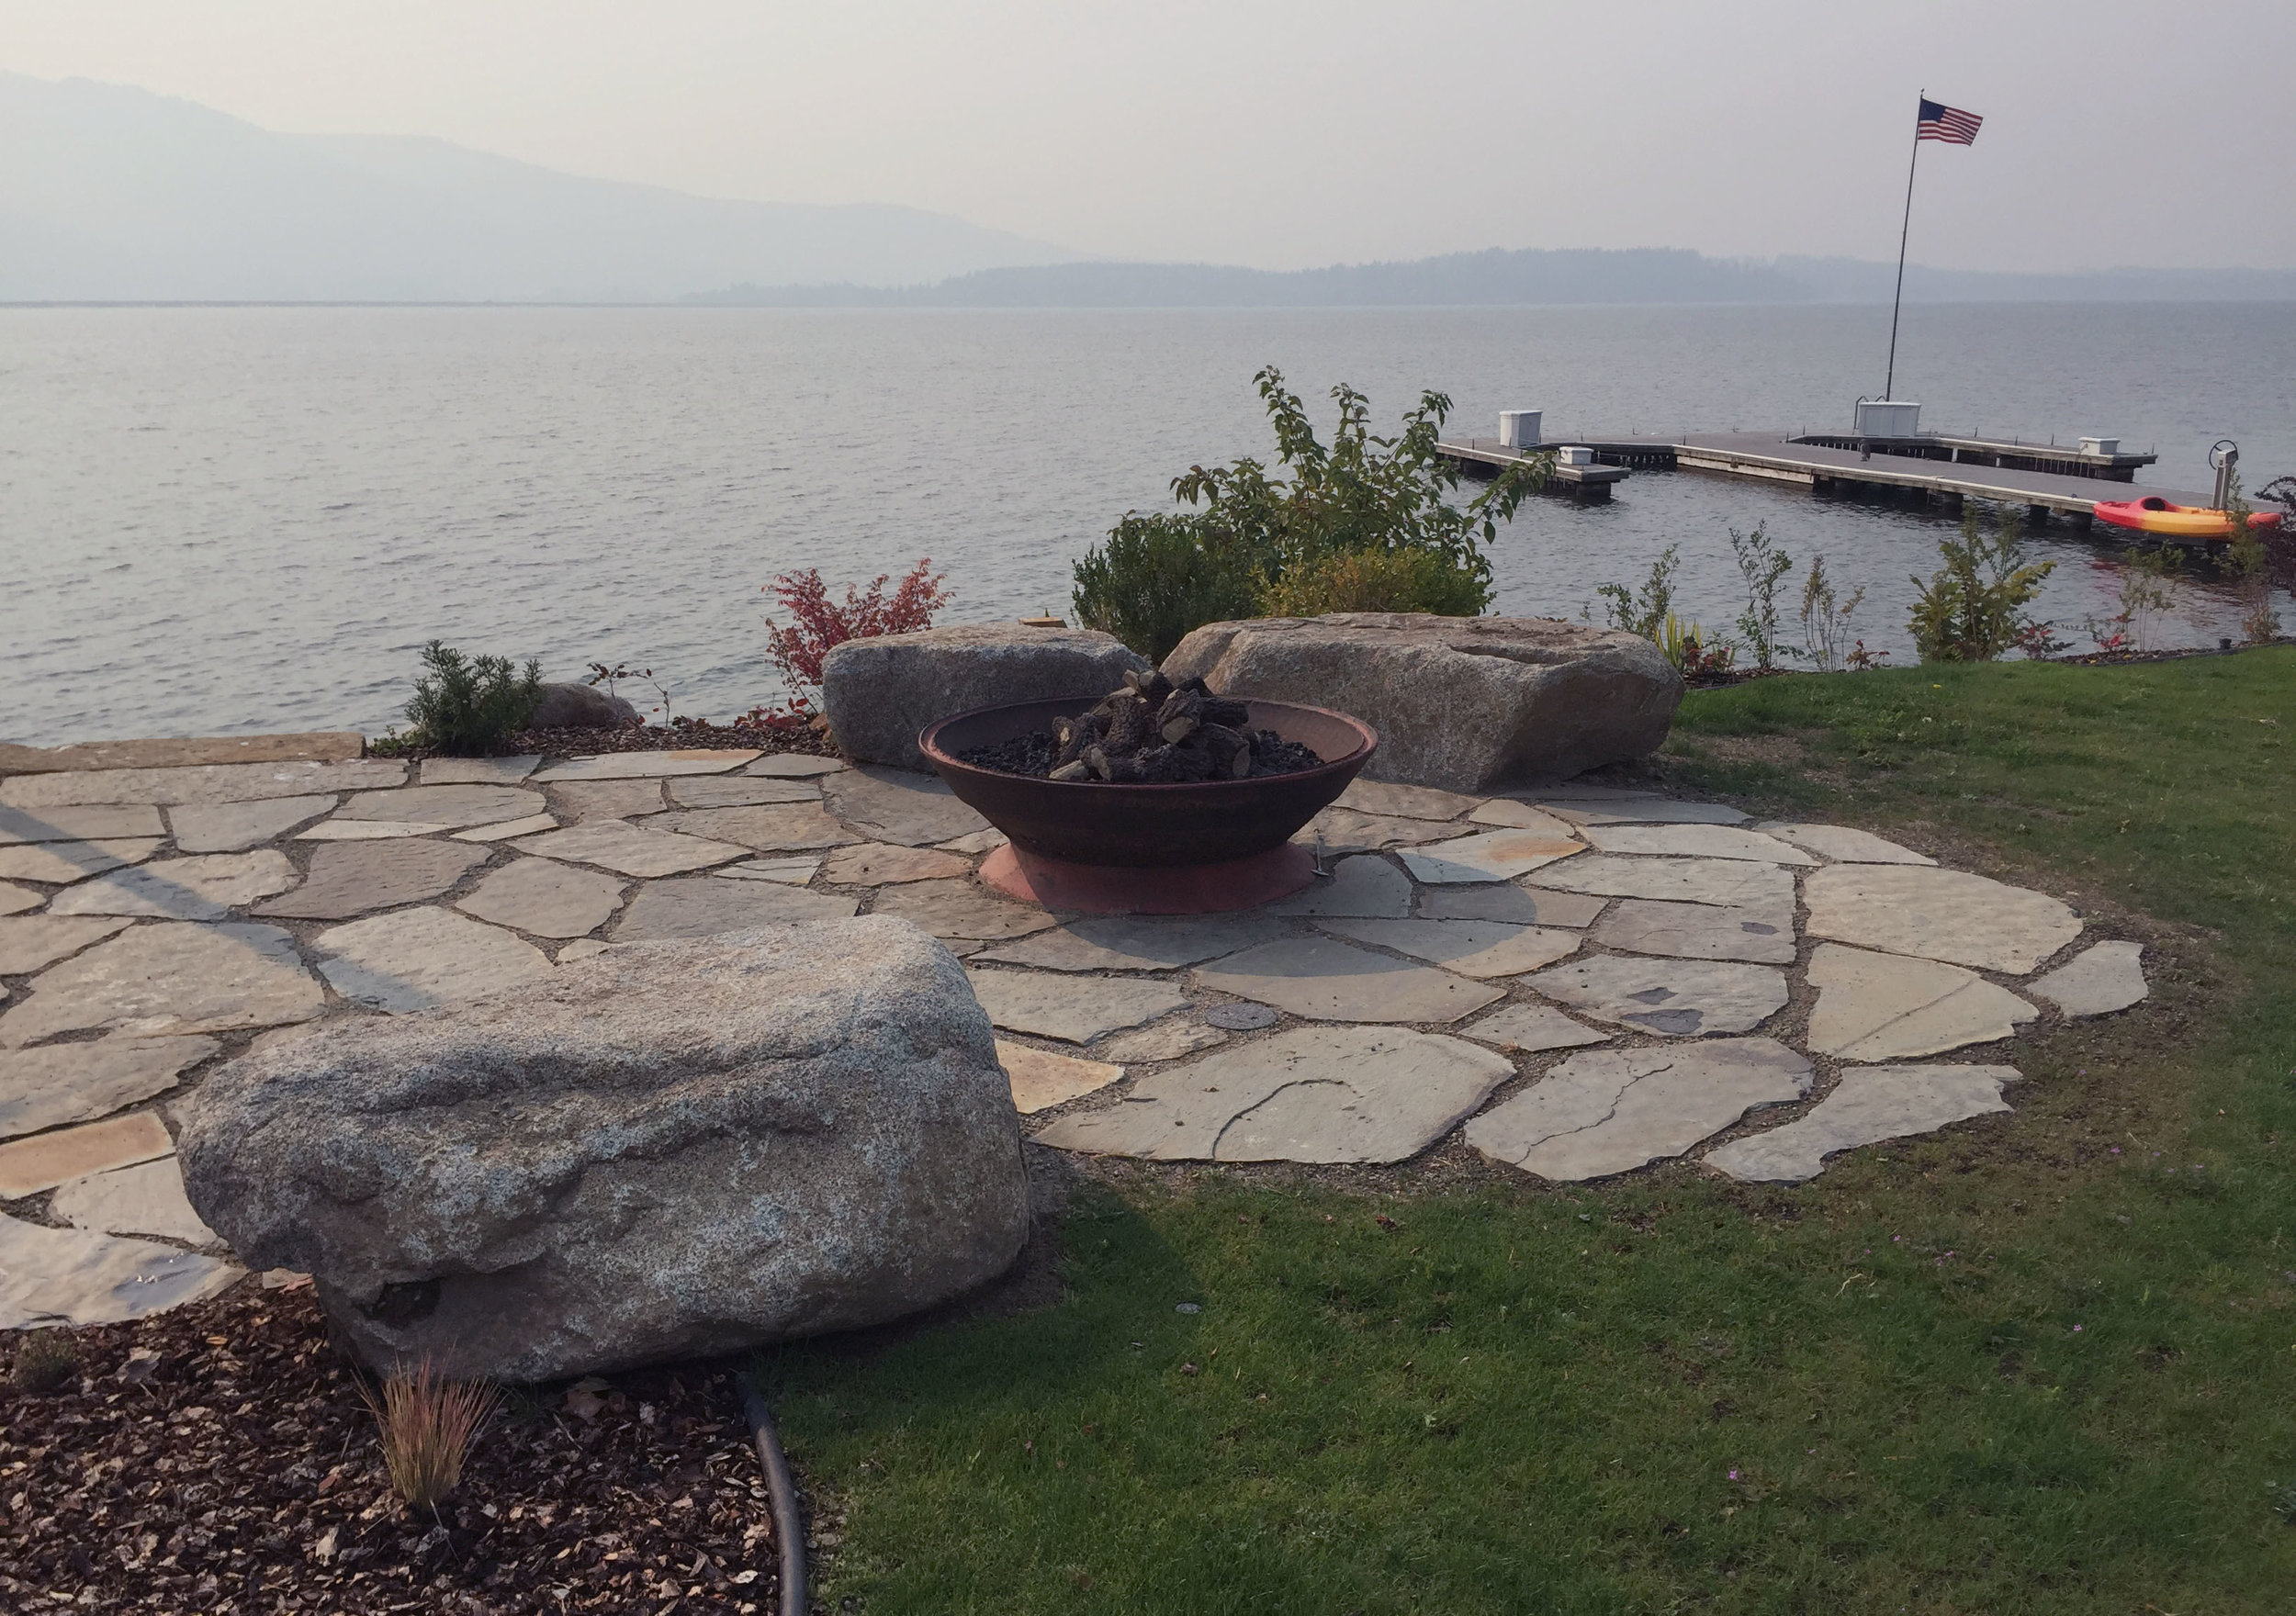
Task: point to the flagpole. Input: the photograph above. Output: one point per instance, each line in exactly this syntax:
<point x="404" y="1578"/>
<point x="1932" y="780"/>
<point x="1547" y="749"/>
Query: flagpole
<point x="1904" y="229"/>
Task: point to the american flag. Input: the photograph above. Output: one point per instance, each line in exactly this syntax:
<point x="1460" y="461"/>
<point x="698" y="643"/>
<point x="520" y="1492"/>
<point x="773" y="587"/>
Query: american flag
<point x="1950" y="124"/>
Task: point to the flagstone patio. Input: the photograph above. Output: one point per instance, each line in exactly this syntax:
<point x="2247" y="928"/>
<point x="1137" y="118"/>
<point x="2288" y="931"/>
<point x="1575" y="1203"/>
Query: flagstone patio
<point x="1574" y="982"/>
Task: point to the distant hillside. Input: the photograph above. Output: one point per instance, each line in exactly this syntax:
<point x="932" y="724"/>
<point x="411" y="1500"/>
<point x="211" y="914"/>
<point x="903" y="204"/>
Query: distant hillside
<point x="109" y="193"/>
<point x="1499" y="277"/>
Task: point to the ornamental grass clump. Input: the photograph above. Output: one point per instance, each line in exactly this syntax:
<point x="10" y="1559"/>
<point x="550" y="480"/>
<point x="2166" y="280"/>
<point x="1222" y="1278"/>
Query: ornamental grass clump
<point x="426" y="1424"/>
<point x="467" y="706"/>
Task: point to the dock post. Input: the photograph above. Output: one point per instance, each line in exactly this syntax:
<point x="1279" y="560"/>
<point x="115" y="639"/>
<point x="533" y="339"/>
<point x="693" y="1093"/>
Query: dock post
<point x="2038" y="515"/>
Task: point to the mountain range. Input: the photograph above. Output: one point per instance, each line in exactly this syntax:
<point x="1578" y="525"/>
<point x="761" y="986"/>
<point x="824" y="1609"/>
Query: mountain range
<point x="110" y="194"/>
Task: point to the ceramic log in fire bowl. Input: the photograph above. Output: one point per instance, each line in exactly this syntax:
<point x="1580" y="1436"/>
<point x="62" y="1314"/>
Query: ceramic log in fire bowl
<point x="1149" y="849"/>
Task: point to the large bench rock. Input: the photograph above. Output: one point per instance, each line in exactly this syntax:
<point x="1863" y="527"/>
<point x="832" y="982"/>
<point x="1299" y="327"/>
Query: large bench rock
<point x="672" y="1149"/>
<point x="1465" y="704"/>
<point x="879" y="693"/>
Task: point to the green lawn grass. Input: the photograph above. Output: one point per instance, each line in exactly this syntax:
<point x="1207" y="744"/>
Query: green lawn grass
<point x="2040" y="1362"/>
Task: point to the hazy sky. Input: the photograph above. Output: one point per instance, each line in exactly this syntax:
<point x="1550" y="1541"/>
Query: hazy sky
<point x="1284" y="133"/>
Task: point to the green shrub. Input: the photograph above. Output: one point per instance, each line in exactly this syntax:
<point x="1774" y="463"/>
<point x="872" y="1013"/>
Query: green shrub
<point x="467" y="705"/>
<point x="1646" y="613"/>
<point x="1973" y="609"/>
<point x="1376" y="580"/>
<point x="1157" y="577"/>
<point x="46" y="1361"/>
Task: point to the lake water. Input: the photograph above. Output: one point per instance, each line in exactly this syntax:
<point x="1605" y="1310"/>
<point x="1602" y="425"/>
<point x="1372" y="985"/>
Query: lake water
<point x="229" y="519"/>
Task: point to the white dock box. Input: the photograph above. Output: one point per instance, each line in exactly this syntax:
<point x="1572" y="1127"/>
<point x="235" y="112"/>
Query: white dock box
<point x="2100" y="445"/>
<point x="1888" y="418"/>
<point x="1518" y="429"/>
<point x="1575" y="454"/>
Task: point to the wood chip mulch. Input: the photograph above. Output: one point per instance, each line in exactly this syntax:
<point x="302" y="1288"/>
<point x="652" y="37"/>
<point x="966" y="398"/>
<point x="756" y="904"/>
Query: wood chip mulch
<point x="239" y="1471"/>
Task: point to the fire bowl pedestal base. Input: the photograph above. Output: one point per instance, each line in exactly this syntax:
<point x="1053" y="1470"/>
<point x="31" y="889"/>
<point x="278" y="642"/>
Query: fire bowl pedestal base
<point x="1186" y="888"/>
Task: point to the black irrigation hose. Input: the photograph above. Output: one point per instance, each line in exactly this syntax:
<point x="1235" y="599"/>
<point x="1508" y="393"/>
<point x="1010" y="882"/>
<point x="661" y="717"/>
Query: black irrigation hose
<point x="789" y="1525"/>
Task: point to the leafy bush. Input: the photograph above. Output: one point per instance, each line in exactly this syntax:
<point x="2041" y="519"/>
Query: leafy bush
<point x="469" y="705"/>
<point x="1826" y="617"/>
<point x="1248" y="533"/>
<point x="1376" y="580"/>
<point x="2250" y="559"/>
<point x="821" y="624"/>
<point x="1762" y="564"/>
<point x="1973" y="609"/>
<point x="1645" y="613"/>
<point x="1157" y="577"/>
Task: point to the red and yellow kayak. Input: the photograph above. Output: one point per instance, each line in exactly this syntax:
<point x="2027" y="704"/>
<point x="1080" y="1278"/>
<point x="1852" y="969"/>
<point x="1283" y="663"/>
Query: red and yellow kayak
<point x="2156" y="515"/>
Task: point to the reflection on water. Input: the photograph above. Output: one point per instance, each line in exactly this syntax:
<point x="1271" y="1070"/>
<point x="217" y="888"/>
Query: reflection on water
<point x="246" y="519"/>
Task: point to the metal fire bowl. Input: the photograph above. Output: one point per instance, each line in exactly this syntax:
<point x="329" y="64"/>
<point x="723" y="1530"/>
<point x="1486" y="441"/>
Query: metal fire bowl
<point x="1145" y="826"/>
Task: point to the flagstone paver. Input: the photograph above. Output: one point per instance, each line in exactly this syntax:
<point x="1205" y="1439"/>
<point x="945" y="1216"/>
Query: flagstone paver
<point x="1137" y="942"/>
<point x="544" y="897"/>
<point x="206" y="887"/>
<point x="1841" y="845"/>
<point x="1700" y="931"/>
<point x="15" y="900"/>
<point x="370" y="830"/>
<point x="974" y="843"/>
<point x="1495" y="854"/>
<point x="1483" y="949"/>
<point x="1676" y="998"/>
<point x="1364" y="887"/>
<point x="1733" y="882"/>
<point x="1324" y="979"/>
<point x="1887" y="1007"/>
<point x="509" y="830"/>
<point x="145" y="1200"/>
<point x="1322" y="1093"/>
<point x="2094" y="982"/>
<point x="610" y="799"/>
<point x="1946" y="914"/>
<point x="1075" y="1010"/>
<point x="739" y="791"/>
<point x="878" y="864"/>
<point x="960" y="909"/>
<point x="793" y="766"/>
<point x="582" y="948"/>
<point x="479" y="771"/>
<point x="1693" y="841"/>
<point x="1041" y="1080"/>
<point x="75" y="1277"/>
<point x="1507" y="813"/>
<point x="794" y="871"/>
<point x="1340" y="830"/>
<point x="1528" y="1029"/>
<point x="642" y="766"/>
<point x="1635" y="809"/>
<point x="1869" y="1105"/>
<point x="1610" y="1111"/>
<point x="632" y="849"/>
<point x="97" y="824"/>
<point x="896" y="805"/>
<point x="62" y="863"/>
<point x="418" y="958"/>
<point x="703" y="906"/>
<point x="1375" y="796"/>
<point x="773" y="827"/>
<point x="349" y="879"/>
<point x="456" y="807"/>
<point x="46" y="1159"/>
<point x="234" y="827"/>
<point x="57" y="1083"/>
<point x="1515" y="905"/>
<point x="224" y="782"/>
<point x="173" y="977"/>
<point x="34" y="942"/>
<point x="1168" y="1039"/>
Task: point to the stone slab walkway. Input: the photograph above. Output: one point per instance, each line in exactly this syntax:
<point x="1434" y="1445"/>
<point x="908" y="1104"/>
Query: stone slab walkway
<point x="1574" y="982"/>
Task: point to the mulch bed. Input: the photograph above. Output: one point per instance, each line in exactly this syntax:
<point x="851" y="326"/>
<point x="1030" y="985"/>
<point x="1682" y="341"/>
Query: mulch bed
<point x="241" y="1474"/>
<point x="587" y="742"/>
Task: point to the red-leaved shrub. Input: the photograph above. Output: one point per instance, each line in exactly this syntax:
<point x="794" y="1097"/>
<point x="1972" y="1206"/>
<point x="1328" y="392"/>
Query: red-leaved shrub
<point x="820" y="622"/>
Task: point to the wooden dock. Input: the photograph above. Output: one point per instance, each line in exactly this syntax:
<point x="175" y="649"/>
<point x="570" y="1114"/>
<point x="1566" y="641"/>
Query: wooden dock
<point x="1822" y="466"/>
<point x="1581" y="484"/>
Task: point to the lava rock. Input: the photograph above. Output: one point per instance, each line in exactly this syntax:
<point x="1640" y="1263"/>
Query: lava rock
<point x="672" y="1150"/>
<point x="574" y="706"/>
<point x="1465" y="704"/>
<point x="879" y="693"/>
